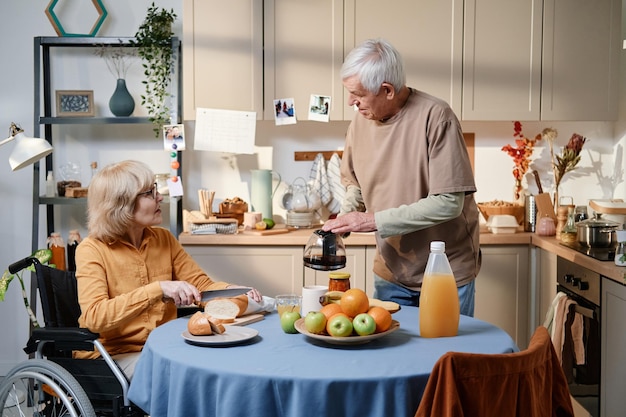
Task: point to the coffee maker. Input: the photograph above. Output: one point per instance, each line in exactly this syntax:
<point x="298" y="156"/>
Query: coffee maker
<point x="325" y="251"/>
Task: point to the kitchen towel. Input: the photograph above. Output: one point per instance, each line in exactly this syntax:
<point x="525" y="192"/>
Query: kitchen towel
<point x="319" y="180"/>
<point x="334" y="179"/>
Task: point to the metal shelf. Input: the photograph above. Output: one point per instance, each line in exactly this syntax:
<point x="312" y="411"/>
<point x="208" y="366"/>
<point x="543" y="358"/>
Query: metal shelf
<point x="92" y="120"/>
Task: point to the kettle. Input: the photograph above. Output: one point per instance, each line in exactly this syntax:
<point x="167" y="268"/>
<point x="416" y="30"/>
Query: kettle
<point x="325" y="251"/>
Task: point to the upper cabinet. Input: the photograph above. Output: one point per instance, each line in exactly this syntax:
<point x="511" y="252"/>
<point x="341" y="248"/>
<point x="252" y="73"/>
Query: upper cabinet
<point x="222" y="55"/>
<point x="541" y="60"/>
<point x="428" y="35"/>
<point x="489" y="59"/>
<point x="303" y="43"/>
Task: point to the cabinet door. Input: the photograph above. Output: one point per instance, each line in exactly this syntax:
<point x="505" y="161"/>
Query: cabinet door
<point x="502" y="290"/>
<point x="581" y="47"/>
<point x="428" y="34"/>
<point x="355" y="266"/>
<point x="223" y="55"/>
<point x="303" y="53"/>
<point x="613" y="366"/>
<point x="502" y="60"/>
<point x="270" y="269"/>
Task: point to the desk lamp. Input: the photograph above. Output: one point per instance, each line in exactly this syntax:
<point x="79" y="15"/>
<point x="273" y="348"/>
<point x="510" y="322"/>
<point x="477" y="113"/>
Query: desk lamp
<point x="27" y="150"/>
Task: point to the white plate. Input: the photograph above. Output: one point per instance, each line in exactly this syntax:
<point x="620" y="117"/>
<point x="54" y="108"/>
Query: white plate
<point x="231" y="336"/>
<point x="349" y="340"/>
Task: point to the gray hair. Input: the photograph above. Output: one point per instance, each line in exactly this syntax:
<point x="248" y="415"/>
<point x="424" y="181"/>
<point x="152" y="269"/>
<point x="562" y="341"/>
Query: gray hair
<point x="112" y="197"/>
<point x="375" y="61"/>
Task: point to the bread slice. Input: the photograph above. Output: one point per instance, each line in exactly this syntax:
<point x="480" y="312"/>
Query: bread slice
<point x="216" y="327"/>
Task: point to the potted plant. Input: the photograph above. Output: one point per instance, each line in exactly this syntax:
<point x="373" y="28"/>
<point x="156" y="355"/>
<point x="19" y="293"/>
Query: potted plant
<point x="43" y="256"/>
<point x="154" y="47"/>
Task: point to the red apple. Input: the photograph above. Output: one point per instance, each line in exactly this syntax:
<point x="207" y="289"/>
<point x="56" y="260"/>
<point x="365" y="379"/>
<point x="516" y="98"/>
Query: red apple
<point x="339" y="325"/>
<point x="364" y="324"/>
<point x="315" y="322"/>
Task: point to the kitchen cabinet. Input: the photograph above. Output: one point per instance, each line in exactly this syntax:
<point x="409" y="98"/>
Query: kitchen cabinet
<point x="502" y="289"/>
<point x="541" y="60"/>
<point x="223" y="55"/>
<point x="428" y="34"/>
<point x="270" y="269"/>
<point x="613" y="367"/>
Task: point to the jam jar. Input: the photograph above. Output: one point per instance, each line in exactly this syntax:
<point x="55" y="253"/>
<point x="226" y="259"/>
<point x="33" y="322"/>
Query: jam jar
<point x="338" y="281"/>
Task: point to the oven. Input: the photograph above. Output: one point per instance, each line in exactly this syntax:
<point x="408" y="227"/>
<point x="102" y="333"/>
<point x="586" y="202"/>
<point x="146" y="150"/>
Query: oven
<point x="580" y="352"/>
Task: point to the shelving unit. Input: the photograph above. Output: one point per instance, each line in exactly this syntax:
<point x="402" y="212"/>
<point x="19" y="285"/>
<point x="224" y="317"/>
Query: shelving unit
<point x="43" y="118"/>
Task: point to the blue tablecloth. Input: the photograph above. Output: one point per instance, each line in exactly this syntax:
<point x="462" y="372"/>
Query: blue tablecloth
<point x="278" y="374"/>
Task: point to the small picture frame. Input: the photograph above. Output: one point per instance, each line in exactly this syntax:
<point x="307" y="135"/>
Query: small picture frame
<point x="75" y="103"/>
<point x="174" y="137"/>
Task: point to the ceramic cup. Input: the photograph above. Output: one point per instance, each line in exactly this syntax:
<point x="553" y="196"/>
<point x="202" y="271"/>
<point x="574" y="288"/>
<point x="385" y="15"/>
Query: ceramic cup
<point x="311" y="298"/>
<point x="251" y="218"/>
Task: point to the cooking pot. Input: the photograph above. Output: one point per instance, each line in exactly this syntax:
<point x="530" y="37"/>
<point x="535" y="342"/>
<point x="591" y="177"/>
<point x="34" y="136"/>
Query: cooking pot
<point x="597" y="232"/>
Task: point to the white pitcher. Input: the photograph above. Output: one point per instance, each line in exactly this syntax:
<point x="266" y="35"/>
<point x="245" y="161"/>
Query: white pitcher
<point x="261" y="192"/>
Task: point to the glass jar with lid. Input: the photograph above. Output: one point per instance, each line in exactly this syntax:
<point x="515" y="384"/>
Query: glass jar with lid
<point x="338" y="281"/>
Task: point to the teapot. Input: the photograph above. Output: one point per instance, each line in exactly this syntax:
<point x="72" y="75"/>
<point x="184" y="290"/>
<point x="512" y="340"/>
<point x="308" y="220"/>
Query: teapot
<point x="300" y="197"/>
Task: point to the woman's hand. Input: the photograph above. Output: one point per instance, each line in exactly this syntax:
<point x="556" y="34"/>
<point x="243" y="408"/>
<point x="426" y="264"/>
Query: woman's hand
<point x="181" y="292"/>
<point x="253" y="293"/>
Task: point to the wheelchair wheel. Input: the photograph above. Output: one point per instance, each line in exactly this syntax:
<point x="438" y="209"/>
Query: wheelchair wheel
<point x="41" y="388"/>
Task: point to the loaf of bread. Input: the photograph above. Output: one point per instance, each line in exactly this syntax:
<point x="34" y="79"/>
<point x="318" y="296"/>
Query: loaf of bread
<point x="199" y="324"/>
<point x="224" y="308"/>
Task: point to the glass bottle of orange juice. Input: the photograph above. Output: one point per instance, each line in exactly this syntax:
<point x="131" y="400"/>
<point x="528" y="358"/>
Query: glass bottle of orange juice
<point x="439" y="297"/>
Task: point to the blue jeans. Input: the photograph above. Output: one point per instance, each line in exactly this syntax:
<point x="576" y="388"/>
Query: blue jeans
<point x="385" y="290"/>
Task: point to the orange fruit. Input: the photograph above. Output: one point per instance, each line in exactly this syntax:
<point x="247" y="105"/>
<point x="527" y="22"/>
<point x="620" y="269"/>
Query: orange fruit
<point x="382" y="318"/>
<point x="354" y="302"/>
<point x="330" y="310"/>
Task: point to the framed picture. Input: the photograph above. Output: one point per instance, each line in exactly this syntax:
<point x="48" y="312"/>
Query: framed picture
<point x="75" y="103"/>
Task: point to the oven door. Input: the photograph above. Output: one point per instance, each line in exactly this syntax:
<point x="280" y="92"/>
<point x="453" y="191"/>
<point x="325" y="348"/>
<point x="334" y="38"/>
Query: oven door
<point x="581" y="361"/>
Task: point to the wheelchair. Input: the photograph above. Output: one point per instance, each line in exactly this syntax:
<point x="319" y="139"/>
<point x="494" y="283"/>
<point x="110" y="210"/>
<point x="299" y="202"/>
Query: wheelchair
<point x="53" y="383"/>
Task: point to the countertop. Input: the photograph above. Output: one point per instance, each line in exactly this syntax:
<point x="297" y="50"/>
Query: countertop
<point x="300" y="237"/>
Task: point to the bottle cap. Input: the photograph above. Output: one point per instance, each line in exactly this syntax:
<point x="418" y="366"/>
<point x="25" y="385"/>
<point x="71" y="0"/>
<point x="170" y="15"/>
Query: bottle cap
<point x="339" y="275"/>
<point x="438" y="245"/>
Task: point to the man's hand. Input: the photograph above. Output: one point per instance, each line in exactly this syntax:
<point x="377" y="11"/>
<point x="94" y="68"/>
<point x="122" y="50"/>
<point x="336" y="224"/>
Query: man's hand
<point x="354" y="221"/>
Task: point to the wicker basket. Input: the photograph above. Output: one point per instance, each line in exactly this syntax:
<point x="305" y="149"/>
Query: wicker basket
<point x="488" y="210"/>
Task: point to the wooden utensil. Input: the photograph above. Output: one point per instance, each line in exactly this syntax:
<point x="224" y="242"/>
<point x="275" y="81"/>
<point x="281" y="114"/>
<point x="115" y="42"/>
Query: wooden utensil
<point x="544" y="206"/>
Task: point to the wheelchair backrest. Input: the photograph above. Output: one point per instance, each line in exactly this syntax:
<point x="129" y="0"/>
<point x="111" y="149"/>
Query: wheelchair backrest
<point x="59" y="296"/>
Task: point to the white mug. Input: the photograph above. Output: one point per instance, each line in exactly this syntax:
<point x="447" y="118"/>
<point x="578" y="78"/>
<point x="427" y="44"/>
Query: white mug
<point x="311" y="298"/>
<point x="251" y="218"/>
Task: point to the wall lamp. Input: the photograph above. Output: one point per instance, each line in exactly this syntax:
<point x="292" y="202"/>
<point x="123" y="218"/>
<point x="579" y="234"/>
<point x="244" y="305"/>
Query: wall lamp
<point x="27" y="150"/>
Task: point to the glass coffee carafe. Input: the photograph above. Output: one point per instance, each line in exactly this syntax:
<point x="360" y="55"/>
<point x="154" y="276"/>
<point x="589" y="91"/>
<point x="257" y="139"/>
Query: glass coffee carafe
<point x="325" y="251"/>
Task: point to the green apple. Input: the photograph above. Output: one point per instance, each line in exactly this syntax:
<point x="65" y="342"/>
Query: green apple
<point x="339" y="325"/>
<point x="288" y="321"/>
<point x="364" y="324"/>
<point x="315" y="322"/>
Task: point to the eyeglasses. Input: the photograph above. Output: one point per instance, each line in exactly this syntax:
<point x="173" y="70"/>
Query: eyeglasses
<point x="152" y="192"/>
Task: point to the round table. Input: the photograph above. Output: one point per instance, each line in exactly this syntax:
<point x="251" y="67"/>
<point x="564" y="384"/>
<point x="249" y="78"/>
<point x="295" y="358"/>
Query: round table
<point x="278" y="374"/>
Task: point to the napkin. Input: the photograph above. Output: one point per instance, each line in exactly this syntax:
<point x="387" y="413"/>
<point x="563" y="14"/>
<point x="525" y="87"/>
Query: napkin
<point x="319" y="179"/>
<point x="267" y="304"/>
<point x="337" y="189"/>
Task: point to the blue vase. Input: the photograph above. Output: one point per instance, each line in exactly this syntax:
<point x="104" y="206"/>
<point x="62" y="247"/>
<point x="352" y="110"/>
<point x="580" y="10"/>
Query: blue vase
<point x="121" y="102"/>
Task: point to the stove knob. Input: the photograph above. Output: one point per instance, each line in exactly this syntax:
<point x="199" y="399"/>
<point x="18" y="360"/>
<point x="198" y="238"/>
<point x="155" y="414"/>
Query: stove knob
<point x="582" y="285"/>
<point x="569" y="278"/>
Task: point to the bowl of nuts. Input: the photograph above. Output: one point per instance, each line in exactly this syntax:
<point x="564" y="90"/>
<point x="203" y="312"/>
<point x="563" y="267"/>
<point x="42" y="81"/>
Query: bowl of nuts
<point x="496" y="207"/>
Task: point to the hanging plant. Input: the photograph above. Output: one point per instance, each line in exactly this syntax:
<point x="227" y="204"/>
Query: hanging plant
<point x="154" y="43"/>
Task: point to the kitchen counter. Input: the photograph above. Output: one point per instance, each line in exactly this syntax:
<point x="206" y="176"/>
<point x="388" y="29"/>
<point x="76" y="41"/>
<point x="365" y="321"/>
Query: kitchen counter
<point x="299" y="237"/>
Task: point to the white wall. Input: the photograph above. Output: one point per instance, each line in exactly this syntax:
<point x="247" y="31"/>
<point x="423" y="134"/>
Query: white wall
<point x="226" y="175"/>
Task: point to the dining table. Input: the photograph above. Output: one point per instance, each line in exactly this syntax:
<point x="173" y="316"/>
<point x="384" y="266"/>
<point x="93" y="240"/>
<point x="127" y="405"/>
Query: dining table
<point x="276" y="374"/>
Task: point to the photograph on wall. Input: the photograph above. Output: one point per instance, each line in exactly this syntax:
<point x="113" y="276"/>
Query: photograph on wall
<point x="319" y="108"/>
<point x="285" y="111"/>
<point x="174" y="137"/>
<point x="75" y="103"/>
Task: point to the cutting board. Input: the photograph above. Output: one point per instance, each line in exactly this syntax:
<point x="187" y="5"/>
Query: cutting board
<point x="250" y="318"/>
<point x="544" y="206"/>
<point x="266" y="232"/>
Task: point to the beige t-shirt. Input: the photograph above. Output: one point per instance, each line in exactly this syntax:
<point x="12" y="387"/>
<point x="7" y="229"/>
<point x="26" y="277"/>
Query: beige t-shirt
<point x="419" y="151"/>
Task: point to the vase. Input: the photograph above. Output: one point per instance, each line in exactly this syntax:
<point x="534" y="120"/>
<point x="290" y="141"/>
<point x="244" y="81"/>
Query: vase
<point x="121" y="102"/>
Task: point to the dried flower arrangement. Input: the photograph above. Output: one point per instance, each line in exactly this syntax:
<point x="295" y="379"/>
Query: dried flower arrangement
<point x="567" y="161"/>
<point x="117" y="58"/>
<point x="521" y="154"/>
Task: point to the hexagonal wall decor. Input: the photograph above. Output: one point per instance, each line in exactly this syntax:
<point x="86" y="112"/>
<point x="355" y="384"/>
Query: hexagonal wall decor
<point x="58" y="27"/>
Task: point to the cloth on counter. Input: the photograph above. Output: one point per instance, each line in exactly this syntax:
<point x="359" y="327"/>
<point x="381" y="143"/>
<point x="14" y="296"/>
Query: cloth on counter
<point x="337" y="189"/>
<point x="267" y="305"/>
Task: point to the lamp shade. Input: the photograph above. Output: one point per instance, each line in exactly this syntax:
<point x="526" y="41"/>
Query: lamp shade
<point x="27" y="150"/>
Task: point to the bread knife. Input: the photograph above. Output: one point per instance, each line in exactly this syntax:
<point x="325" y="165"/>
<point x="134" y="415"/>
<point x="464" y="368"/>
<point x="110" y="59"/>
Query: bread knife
<point x="228" y="292"/>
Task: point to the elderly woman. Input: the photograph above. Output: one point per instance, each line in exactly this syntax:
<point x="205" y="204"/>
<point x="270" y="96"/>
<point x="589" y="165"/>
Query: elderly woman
<point x="131" y="275"/>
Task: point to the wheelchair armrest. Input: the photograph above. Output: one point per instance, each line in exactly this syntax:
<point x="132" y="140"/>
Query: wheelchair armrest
<point x="73" y="338"/>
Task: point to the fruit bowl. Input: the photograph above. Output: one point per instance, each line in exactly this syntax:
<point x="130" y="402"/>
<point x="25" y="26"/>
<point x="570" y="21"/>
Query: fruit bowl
<point x="349" y="340"/>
